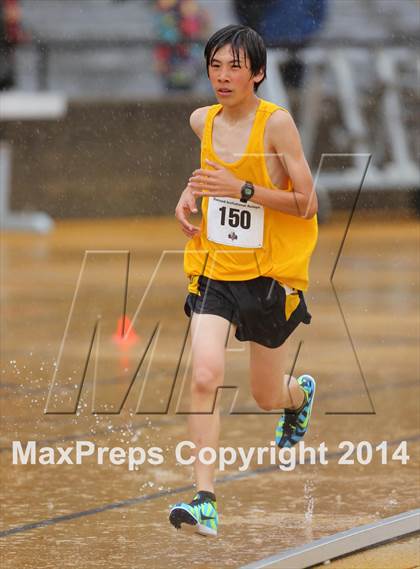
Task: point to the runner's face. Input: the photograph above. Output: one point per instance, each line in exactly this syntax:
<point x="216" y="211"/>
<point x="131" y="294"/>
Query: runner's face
<point x="231" y="79"/>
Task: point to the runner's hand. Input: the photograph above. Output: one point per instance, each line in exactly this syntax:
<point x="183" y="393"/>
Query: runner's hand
<point x="218" y="182"/>
<point x="186" y="205"/>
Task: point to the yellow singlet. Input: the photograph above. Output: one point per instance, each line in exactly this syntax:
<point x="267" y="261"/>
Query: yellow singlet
<point x="288" y="241"/>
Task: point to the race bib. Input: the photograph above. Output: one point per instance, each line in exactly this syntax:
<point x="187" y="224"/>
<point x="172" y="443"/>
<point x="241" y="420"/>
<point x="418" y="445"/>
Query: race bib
<point x="232" y="222"/>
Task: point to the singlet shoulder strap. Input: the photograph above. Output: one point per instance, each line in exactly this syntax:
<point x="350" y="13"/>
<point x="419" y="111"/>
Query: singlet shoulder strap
<point x="211" y="113"/>
<point x="265" y="110"/>
<point x="269" y="107"/>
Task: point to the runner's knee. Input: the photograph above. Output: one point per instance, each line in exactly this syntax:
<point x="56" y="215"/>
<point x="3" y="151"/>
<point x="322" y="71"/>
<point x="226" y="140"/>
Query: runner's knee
<point x="206" y="378"/>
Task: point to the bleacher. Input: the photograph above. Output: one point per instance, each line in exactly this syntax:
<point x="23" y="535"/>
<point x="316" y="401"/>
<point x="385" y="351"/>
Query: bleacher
<point x="102" y="48"/>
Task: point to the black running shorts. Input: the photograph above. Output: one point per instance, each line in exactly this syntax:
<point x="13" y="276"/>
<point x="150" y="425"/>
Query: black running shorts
<point x="263" y="310"/>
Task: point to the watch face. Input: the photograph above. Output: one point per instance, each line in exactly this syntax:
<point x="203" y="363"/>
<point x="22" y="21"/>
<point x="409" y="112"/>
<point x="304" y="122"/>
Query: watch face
<point x="247" y="192"/>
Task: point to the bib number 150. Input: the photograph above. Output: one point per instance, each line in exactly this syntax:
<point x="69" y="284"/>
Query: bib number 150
<point x="235" y="217"/>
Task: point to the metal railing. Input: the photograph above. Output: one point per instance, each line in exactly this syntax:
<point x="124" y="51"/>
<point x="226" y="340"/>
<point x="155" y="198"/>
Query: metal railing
<point x="43" y="48"/>
<point x="338" y="70"/>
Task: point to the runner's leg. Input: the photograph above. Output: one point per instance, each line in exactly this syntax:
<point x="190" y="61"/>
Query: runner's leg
<point x="270" y="385"/>
<point x="209" y="334"/>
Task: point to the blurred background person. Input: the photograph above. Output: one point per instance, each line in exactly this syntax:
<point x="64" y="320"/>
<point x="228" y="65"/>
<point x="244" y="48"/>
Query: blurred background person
<point x="179" y="23"/>
<point x="285" y="24"/>
<point x="11" y="34"/>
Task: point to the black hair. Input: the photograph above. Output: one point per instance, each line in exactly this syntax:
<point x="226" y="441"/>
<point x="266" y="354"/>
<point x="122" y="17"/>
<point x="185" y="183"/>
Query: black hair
<point x="239" y="37"/>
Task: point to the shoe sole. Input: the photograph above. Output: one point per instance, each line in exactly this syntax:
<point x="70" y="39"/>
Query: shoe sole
<point x="179" y="516"/>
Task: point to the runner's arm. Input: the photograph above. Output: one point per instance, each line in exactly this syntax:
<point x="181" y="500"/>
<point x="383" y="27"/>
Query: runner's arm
<point x="186" y="203"/>
<point x="285" y="139"/>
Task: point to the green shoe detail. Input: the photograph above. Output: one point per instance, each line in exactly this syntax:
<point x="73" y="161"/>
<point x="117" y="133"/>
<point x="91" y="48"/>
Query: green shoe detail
<point x="200" y="515"/>
<point x="293" y="425"/>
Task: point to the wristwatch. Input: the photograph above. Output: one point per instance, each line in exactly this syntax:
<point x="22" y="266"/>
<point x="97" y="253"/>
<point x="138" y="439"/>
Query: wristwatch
<point x="247" y="191"/>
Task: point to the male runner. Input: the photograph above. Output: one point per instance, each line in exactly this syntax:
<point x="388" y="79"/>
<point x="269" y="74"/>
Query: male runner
<point x="248" y="262"/>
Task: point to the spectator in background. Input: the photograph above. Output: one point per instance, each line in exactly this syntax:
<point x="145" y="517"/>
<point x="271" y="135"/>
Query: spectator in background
<point x="10" y="35"/>
<point x="178" y="24"/>
<point x="288" y="24"/>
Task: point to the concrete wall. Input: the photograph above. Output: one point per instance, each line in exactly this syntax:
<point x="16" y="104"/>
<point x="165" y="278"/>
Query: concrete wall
<point x="104" y="159"/>
<point x="127" y="159"/>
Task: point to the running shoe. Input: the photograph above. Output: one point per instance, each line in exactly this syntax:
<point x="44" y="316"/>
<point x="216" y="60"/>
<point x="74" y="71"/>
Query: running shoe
<point x="200" y="515"/>
<point x="293" y="424"/>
